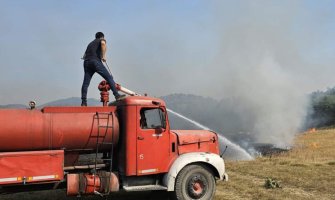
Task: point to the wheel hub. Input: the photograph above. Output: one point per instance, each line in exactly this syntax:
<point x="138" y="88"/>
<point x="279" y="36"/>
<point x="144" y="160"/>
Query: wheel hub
<point x="197" y="187"/>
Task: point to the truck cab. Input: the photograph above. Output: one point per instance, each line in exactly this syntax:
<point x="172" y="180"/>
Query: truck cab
<point x="153" y="156"/>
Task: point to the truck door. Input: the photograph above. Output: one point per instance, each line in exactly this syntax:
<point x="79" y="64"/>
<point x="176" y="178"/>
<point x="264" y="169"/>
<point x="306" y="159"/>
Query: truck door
<point x="152" y="140"/>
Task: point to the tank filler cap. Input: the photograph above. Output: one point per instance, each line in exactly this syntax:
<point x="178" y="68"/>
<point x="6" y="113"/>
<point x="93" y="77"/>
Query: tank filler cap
<point x="32" y="105"/>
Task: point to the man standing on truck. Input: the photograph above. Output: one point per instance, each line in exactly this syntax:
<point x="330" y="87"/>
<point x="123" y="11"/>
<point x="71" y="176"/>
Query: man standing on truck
<point x="94" y="55"/>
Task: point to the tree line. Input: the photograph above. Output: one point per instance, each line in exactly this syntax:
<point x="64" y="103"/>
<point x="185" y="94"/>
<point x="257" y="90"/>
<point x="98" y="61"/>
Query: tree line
<point x="321" y="111"/>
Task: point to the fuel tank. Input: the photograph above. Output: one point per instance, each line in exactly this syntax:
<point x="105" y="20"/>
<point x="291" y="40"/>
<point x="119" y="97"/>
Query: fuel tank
<point x="68" y="128"/>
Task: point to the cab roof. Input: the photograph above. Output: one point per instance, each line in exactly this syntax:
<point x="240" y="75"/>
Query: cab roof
<point x="138" y="100"/>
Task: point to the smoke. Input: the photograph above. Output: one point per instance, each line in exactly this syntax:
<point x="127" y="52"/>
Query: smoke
<point x="262" y="70"/>
<point x="267" y="101"/>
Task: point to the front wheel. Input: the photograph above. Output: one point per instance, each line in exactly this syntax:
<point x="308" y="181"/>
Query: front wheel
<point x="195" y="182"/>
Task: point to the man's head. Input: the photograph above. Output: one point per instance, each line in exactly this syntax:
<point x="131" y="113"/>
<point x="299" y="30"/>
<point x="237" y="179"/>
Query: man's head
<point x="99" y="35"/>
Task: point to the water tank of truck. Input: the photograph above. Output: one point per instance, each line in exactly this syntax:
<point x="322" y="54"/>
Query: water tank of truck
<point x="69" y="128"/>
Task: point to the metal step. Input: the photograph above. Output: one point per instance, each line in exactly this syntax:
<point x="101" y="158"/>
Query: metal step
<point x="98" y="117"/>
<point x="107" y="159"/>
<point x="105" y="143"/>
<point x="144" y="188"/>
<point x="96" y="136"/>
<point x="103" y="115"/>
<point x="103" y="118"/>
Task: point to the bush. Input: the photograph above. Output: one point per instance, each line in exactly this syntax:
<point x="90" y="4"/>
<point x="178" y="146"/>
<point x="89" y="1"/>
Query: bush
<point x="271" y="183"/>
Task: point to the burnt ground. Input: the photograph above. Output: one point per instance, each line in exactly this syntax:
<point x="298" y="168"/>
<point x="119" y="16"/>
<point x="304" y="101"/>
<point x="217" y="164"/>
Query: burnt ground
<point x="268" y="149"/>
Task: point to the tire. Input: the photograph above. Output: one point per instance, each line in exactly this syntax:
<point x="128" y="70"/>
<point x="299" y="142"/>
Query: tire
<point x="195" y="182"/>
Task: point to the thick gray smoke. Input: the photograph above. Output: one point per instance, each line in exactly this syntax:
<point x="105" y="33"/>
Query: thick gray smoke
<point x="261" y="70"/>
<point x="266" y="100"/>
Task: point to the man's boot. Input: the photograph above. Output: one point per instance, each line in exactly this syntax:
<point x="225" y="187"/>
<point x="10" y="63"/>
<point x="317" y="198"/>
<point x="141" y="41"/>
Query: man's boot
<point x="119" y="97"/>
<point x="84" y="103"/>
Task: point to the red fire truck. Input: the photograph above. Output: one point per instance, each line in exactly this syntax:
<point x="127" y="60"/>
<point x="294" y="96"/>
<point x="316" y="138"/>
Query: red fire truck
<point x="127" y="145"/>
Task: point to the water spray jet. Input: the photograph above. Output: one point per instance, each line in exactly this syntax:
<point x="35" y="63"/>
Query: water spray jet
<point x="242" y="154"/>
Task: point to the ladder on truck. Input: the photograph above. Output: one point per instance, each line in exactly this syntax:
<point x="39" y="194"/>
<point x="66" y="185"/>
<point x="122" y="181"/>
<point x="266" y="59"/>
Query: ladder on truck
<point x="104" y="125"/>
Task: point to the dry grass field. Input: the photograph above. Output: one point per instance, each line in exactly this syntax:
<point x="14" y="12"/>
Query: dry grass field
<point x="305" y="172"/>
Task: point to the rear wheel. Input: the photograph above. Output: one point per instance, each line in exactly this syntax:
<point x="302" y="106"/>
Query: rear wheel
<point x="195" y="182"/>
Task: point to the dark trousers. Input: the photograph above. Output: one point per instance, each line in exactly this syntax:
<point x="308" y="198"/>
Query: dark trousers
<point x="90" y="67"/>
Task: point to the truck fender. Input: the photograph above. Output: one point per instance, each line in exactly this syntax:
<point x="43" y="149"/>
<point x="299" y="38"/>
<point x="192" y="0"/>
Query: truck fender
<point x="209" y="159"/>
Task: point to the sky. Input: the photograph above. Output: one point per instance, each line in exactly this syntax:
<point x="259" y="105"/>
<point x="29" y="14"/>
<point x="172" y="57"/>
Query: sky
<point x="215" y="48"/>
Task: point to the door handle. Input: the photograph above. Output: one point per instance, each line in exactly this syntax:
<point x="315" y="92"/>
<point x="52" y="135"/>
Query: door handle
<point x="140" y="138"/>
